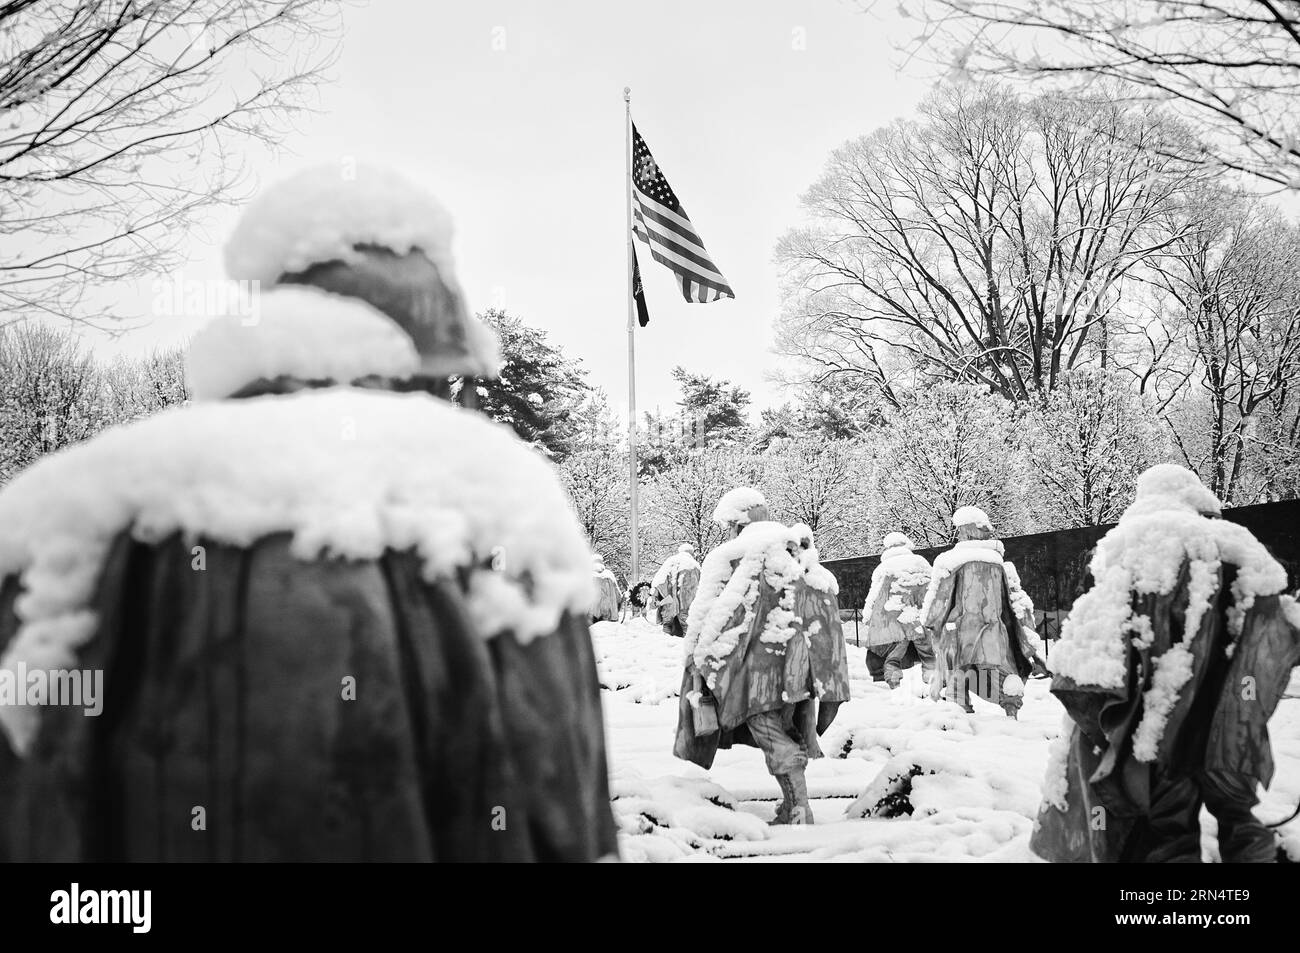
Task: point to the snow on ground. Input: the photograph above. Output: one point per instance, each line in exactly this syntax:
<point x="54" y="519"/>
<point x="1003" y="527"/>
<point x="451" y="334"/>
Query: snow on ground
<point x="975" y="799"/>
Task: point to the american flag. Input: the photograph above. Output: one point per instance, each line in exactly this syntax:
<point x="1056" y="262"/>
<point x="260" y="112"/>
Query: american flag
<point x="659" y="220"/>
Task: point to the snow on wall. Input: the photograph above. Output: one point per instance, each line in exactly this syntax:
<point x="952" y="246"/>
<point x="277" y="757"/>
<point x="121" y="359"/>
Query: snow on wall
<point x="348" y="472"/>
<point x="299" y="332"/>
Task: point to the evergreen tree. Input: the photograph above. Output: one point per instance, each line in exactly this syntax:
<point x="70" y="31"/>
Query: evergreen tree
<point x="539" y="389"/>
<point x="716" y="408"/>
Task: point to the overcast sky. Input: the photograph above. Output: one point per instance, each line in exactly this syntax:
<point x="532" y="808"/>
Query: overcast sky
<point x="511" y="112"/>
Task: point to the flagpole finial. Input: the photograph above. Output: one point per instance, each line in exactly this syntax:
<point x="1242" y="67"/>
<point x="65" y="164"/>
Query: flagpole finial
<point x="627" y="94"/>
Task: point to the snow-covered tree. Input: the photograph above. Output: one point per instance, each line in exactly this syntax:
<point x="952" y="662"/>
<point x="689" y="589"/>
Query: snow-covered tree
<point x="817" y="482"/>
<point x="53" y="393"/>
<point x="1275" y="446"/>
<point x="830" y="409"/>
<point x="539" y="389"/>
<point x="47" y="394"/>
<point x="595" y="426"/>
<point x="596" y="482"/>
<point x="719" y="408"/>
<point x="137" y="387"/>
<point x="1086" y="443"/>
<point x="679" y="501"/>
<point x="944" y="447"/>
<point x="711" y="412"/>
<point x="1233" y="284"/>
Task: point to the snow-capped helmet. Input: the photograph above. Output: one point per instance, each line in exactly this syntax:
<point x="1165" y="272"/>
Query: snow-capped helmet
<point x="365" y="232"/>
<point x="1167" y="486"/>
<point x="686" y="548"/>
<point x="972" y="523"/>
<point x="740" y="507"/>
<point x="896" y="540"/>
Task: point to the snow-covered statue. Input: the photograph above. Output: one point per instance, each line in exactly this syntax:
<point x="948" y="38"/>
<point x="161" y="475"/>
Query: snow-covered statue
<point x="1169" y="669"/>
<point x="675" y="584"/>
<point x="608" y="605"/>
<point x="335" y="619"/>
<point x="981" y="620"/>
<point x="896" y="637"/>
<point x="765" y="655"/>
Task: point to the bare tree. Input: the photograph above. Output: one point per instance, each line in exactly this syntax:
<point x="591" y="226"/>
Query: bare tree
<point x="117" y="121"/>
<point x="1229" y="66"/>
<point x="1235" y="279"/>
<point x="986" y="242"/>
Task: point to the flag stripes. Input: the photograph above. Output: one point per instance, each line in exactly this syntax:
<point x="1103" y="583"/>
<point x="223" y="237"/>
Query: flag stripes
<point x="660" y="221"/>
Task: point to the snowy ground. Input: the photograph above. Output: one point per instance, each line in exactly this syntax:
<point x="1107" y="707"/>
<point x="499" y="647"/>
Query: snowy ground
<point x="979" y="803"/>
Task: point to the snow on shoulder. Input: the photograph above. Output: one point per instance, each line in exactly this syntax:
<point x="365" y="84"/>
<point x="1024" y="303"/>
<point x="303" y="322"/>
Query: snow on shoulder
<point x="321" y="215"/>
<point x="764" y="551"/>
<point x="735" y="505"/>
<point x="986" y="551"/>
<point x="899" y="570"/>
<point x="299" y="332"/>
<point x="1164" y="528"/>
<point x="678" y="562"/>
<point x="348" y="472"/>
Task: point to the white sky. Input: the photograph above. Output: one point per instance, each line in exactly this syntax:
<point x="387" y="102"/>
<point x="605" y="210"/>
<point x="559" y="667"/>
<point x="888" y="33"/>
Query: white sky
<point x="740" y="100"/>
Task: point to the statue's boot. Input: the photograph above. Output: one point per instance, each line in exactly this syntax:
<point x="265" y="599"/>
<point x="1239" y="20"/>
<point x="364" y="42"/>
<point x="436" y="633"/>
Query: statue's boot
<point x="801" y="811"/>
<point x="787" y="801"/>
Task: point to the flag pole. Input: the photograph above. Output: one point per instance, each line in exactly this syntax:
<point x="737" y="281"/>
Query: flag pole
<point x="631" y="340"/>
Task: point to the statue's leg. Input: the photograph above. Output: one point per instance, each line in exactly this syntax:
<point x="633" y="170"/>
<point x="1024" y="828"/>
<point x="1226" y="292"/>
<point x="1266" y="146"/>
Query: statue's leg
<point x="1243" y="838"/>
<point x="787" y="802"/>
<point x="894" y="655"/>
<point x="924" y="652"/>
<point x="800" y="811"/>
<point x="959" y="686"/>
<point x="1171" y="831"/>
<point x="785" y="758"/>
<point x="876" y="663"/>
<point x="1010" y="703"/>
